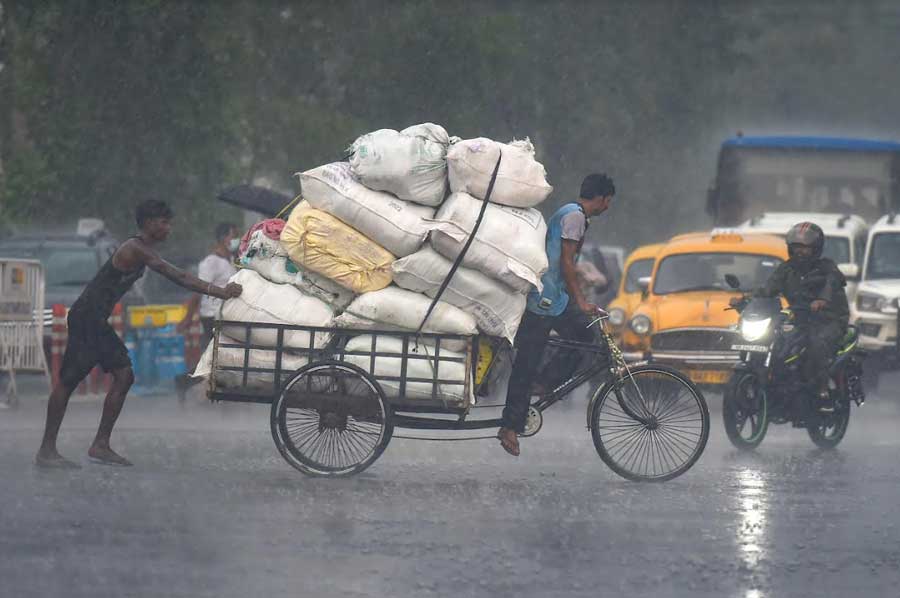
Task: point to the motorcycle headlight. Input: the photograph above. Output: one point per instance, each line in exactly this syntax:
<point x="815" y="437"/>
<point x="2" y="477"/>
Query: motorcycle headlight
<point x="866" y="302"/>
<point x="640" y="324"/>
<point x="753" y="330"/>
<point x="616" y="316"/>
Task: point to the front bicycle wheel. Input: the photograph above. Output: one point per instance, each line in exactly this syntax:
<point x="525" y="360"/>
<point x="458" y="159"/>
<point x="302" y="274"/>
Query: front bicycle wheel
<point x="651" y="426"/>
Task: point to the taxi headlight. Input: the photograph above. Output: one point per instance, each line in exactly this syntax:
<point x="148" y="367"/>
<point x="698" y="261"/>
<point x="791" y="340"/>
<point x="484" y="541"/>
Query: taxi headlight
<point x="616" y="316"/>
<point x="640" y="324"/>
<point x="753" y="330"/>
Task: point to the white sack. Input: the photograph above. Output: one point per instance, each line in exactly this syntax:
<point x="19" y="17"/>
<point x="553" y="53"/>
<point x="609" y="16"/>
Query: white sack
<point x="497" y="308"/>
<point x="521" y="180"/>
<point x="415" y="368"/>
<point x="509" y="245"/>
<point x="264" y="301"/>
<point x="411" y="164"/>
<point x="259" y="358"/>
<point x="282" y="270"/>
<point x="268" y="258"/>
<point x="394" y="308"/>
<point x="398" y="226"/>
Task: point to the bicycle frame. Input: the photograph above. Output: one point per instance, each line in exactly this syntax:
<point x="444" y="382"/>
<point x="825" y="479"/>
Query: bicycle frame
<point x="611" y="367"/>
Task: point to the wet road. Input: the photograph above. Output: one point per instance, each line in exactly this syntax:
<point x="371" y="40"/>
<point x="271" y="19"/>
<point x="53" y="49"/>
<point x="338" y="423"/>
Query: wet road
<point x="212" y="510"/>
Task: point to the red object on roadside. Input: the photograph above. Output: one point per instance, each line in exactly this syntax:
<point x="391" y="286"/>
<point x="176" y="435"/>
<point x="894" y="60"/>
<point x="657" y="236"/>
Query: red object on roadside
<point x="192" y="339"/>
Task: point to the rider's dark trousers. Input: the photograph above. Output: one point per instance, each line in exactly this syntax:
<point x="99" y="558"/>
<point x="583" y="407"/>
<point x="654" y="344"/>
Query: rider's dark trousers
<point x="823" y="338"/>
<point x="531" y="339"/>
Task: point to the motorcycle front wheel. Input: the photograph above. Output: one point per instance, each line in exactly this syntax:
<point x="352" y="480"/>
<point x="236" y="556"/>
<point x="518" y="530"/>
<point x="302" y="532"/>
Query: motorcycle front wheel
<point x="745" y="411"/>
<point x="828" y="431"/>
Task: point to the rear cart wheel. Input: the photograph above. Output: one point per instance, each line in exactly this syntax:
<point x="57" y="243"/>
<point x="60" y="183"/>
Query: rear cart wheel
<point x="745" y="411"/>
<point x="827" y="430"/>
<point x="651" y="426"/>
<point x="331" y="420"/>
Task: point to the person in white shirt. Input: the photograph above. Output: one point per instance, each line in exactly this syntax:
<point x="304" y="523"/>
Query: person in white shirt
<point x="216" y="268"/>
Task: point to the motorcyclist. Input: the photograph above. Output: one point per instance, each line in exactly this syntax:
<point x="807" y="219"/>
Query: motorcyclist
<point x="811" y="282"/>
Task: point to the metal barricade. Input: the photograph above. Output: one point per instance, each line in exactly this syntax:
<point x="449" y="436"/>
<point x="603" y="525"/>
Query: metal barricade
<point x="21" y="321"/>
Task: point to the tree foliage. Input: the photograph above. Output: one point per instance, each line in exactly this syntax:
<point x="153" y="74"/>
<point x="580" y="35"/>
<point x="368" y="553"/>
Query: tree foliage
<point x="104" y="103"/>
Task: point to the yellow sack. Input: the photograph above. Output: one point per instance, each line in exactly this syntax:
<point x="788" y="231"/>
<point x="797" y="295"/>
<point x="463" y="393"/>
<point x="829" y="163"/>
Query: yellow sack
<point x="320" y="242"/>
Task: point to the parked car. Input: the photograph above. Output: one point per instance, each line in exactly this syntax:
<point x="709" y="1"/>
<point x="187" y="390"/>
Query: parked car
<point x="683" y="315"/>
<point x="845" y="238"/>
<point x="875" y="310"/>
<point x="70" y="261"/>
<point x="636" y="277"/>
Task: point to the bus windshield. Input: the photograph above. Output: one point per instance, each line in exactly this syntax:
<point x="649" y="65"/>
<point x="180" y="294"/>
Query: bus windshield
<point x="752" y="180"/>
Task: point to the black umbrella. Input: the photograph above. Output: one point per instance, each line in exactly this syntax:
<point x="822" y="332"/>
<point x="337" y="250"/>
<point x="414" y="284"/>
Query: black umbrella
<point x="257" y="199"/>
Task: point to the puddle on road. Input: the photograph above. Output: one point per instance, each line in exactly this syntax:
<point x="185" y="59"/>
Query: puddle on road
<point x="753" y="506"/>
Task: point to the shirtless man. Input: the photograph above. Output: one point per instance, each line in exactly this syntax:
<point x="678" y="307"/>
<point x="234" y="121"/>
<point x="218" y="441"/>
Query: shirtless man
<point x="93" y="341"/>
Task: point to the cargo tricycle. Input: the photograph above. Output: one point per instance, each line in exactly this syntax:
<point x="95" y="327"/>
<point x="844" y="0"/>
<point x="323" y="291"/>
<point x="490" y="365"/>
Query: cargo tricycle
<point x="337" y="401"/>
<point x="338" y="394"/>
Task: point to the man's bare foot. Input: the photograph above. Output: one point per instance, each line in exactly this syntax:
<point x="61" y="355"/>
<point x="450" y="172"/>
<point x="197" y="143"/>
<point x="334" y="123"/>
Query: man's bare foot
<point x="107" y="456"/>
<point x="53" y="460"/>
<point x="509" y="440"/>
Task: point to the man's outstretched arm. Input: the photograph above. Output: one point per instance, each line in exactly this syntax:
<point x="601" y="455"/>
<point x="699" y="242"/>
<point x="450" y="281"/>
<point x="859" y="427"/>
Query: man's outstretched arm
<point x="139" y="252"/>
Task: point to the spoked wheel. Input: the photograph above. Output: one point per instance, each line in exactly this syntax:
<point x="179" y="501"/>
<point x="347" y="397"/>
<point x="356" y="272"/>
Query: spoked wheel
<point x="331" y="420"/>
<point x="745" y="411"/>
<point x="651" y="426"/>
<point x="827" y="430"/>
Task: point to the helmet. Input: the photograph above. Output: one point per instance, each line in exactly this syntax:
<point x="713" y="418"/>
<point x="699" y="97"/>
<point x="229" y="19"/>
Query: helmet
<point x="806" y="233"/>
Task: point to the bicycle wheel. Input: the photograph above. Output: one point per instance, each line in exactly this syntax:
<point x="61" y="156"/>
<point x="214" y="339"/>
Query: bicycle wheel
<point x="331" y="420"/>
<point x="651" y="426"/>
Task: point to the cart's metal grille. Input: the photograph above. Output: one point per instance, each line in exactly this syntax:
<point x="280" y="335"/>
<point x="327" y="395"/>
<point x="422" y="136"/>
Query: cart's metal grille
<point x="415" y="371"/>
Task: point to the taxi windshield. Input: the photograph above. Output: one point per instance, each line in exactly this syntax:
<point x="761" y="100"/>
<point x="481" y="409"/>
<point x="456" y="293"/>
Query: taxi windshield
<point x="686" y="272"/>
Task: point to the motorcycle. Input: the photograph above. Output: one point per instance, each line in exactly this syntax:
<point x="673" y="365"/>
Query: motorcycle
<point x="767" y="385"/>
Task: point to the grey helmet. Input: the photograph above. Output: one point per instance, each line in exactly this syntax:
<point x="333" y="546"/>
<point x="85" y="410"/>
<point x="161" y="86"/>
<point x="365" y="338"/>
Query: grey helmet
<point x="806" y="233"/>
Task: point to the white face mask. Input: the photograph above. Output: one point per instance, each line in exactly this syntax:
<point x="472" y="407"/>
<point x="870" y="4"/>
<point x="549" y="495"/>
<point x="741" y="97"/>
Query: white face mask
<point x="234" y="245"/>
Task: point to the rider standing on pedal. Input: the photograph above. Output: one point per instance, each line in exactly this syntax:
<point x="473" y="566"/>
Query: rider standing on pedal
<point x="561" y="306"/>
<point x="809" y="281"/>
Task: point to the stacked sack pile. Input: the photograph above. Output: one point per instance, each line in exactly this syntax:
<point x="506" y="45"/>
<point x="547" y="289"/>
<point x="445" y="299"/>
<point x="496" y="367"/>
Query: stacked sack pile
<point x="374" y="238"/>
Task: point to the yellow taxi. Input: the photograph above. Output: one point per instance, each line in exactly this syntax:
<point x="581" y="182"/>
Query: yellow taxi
<point x="683" y="318"/>
<point x="635" y="278"/>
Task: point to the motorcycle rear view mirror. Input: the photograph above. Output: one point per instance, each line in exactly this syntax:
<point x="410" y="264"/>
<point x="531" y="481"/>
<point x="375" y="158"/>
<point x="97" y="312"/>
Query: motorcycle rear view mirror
<point x="733" y="281"/>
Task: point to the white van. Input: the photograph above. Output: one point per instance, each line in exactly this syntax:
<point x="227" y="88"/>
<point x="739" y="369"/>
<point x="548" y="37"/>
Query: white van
<point x="845" y="238"/>
<point x="874" y="312"/>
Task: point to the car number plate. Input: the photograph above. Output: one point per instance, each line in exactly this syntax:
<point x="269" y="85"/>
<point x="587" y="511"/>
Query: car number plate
<point x="751" y="348"/>
<point x="709" y="376"/>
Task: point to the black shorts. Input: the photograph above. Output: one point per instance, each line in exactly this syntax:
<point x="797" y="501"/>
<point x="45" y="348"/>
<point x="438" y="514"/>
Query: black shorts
<point x="92" y="341"/>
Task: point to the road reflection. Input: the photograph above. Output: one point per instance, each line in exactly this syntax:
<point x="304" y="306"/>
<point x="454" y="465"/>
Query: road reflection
<point x="753" y="505"/>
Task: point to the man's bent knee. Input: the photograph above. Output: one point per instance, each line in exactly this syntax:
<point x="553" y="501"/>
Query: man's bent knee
<point x="123" y="379"/>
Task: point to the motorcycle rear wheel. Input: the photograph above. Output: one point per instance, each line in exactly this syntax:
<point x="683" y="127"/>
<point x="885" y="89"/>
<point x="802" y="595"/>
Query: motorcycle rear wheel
<point x="743" y="403"/>
<point x="830" y="429"/>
